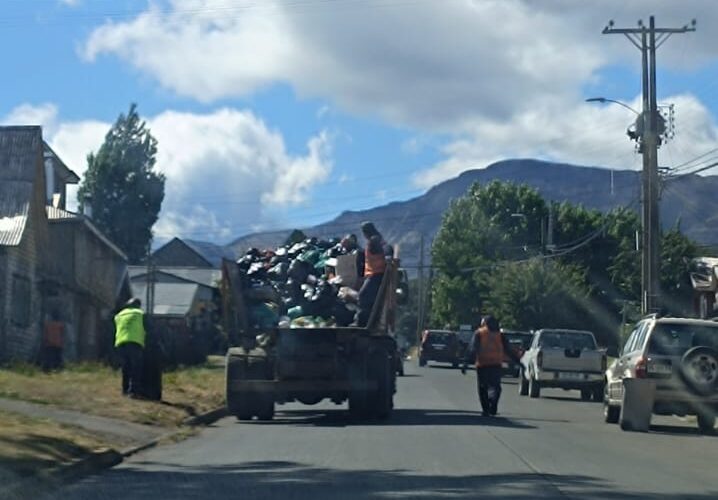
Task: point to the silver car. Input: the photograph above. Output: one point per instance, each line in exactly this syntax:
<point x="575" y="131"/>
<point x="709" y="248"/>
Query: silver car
<point x="673" y="364"/>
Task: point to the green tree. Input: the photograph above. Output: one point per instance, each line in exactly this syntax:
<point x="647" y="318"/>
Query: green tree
<point x="122" y="186"/>
<point x="539" y="293"/>
<point x="677" y="250"/>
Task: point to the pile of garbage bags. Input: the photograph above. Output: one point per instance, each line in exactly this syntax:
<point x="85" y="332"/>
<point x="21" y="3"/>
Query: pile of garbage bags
<point x="296" y="285"/>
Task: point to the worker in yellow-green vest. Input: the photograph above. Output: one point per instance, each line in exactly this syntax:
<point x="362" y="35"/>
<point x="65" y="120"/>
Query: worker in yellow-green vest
<point x="130" y="337"/>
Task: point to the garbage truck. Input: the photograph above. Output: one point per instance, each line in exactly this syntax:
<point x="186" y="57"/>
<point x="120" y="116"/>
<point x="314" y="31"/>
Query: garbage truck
<point x="276" y="362"/>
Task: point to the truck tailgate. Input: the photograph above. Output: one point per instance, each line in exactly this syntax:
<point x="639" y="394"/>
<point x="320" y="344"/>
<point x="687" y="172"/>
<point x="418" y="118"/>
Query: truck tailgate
<point x="572" y="360"/>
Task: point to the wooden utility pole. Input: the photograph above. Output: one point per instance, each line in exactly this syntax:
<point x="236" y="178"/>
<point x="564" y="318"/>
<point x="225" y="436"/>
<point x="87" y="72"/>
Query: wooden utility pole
<point x="420" y="294"/>
<point x="647" y="39"/>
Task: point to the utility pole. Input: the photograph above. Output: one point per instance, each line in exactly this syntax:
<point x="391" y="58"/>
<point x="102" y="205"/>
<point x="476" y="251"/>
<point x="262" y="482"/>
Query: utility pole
<point x="648" y="40"/>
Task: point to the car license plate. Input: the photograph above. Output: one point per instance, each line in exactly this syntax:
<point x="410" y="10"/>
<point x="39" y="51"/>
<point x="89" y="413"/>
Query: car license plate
<point x="660" y="368"/>
<point x="571" y="376"/>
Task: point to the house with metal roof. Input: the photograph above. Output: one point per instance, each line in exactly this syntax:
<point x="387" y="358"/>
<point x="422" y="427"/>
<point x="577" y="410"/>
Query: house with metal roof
<point x="51" y="261"/>
<point x="23" y="238"/>
<point x="190" y="253"/>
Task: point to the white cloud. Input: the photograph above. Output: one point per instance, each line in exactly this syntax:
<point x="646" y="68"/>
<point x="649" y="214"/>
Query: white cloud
<point x="70" y="3"/>
<point x="587" y="134"/>
<point x="226" y="170"/>
<point x="430" y="65"/>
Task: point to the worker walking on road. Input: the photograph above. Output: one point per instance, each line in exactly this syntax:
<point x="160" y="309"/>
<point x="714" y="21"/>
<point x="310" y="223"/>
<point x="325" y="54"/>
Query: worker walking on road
<point x="487" y="349"/>
<point x="130" y="337"/>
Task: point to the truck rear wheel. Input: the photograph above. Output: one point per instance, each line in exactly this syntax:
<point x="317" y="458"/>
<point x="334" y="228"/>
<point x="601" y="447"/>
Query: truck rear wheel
<point x="381" y="399"/>
<point x="238" y="402"/>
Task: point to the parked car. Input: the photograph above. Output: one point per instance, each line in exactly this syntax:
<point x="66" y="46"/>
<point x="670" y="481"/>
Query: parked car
<point x="441" y="346"/>
<point x="677" y="359"/>
<point x="464" y="337"/>
<point x="520" y="342"/>
<point x="567" y="359"/>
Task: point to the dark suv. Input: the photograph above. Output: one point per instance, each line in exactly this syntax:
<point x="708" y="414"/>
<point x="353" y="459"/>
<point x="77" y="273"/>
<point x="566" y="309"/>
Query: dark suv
<point x="441" y="346"/>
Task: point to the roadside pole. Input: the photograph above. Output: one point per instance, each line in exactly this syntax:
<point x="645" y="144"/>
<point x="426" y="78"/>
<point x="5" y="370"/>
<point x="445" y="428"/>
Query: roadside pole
<point x="648" y="39"/>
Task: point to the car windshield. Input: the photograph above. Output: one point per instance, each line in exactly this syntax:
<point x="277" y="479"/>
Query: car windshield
<point x="519" y="338"/>
<point x="676" y="339"/>
<point x="567" y="340"/>
<point x="440" y="337"/>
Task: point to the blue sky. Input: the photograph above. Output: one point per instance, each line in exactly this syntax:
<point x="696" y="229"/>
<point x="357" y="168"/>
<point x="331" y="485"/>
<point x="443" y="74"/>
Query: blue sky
<point x="285" y="113"/>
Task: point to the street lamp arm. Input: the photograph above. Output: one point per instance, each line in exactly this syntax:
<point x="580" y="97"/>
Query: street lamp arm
<point x="605" y="100"/>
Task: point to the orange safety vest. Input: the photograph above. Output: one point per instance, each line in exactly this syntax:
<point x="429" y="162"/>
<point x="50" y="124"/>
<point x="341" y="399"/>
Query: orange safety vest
<point x="53" y="334"/>
<point x="490" y="349"/>
<point x="374" y="263"/>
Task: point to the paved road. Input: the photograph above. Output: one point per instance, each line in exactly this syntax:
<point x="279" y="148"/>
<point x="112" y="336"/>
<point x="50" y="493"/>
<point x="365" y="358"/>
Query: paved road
<point x="435" y="446"/>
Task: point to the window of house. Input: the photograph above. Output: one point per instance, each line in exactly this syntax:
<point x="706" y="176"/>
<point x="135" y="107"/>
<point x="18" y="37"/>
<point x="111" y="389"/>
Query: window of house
<point x="21" y="301"/>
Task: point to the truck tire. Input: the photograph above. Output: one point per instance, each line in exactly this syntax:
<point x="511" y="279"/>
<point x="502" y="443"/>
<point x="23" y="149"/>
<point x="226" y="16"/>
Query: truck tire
<point x="381" y="399"/>
<point x="358" y="396"/>
<point x="262" y="402"/>
<point x="523" y="384"/>
<point x="238" y="402"/>
<point x="599" y="393"/>
<point x="534" y="388"/>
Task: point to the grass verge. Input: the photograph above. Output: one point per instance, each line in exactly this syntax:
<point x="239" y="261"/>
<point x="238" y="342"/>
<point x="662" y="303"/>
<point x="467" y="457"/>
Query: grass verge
<point x="95" y="389"/>
<point x="29" y="446"/>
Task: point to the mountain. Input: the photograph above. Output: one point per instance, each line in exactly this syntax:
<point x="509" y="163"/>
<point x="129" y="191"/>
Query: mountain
<point x="690" y="201"/>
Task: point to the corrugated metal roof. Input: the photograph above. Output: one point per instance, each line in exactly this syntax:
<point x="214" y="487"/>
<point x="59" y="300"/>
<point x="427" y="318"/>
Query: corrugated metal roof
<point x="171" y="299"/>
<point x="54" y="213"/>
<point x="203" y="276"/>
<point x="14" y="210"/>
<point x="20" y="152"/>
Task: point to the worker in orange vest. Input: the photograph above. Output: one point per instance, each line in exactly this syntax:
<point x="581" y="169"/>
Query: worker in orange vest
<point x="375" y="256"/>
<point x="53" y="342"/>
<point x="486" y="350"/>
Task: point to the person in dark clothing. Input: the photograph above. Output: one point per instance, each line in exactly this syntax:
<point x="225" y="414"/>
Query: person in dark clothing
<point x="53" y="341"/>
<point x="487" y="350"/>
<point x="375" y="256"/>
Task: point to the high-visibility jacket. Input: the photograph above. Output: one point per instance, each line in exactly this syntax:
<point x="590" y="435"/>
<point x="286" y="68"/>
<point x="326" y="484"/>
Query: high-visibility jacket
<point x="129" y="327"/>
<point x="374" y="263"/>
<point x="489" y="348"/>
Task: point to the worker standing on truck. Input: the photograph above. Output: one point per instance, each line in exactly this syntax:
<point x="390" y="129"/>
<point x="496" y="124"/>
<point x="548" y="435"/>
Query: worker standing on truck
<point x="130" y="337"/>
<point x="375" y="256"/>
<point x="486" y="350"/>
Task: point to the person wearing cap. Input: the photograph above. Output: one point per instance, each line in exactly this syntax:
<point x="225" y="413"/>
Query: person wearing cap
<point x="486" y="350"/>
<point x="375" y="256"/>
<point x="130" y="335"/>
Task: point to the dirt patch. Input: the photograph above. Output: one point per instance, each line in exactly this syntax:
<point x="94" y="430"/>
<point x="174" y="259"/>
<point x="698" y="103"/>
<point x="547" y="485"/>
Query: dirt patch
<point x="95" y="389"/>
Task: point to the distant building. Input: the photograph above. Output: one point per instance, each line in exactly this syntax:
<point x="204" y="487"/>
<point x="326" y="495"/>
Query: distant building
<point x="51" y="260"/>
<point x="704" y="278"/>
<point x="188" y="253"/>
<point x="185" y="307"/>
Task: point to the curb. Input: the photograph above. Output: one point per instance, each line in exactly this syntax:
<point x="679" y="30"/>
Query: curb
<point x="207" y="418"/>
<point x="105" y="459"/>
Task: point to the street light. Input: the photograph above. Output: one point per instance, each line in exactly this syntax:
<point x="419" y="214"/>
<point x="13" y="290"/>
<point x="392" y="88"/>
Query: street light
<point x="604" y="100"/>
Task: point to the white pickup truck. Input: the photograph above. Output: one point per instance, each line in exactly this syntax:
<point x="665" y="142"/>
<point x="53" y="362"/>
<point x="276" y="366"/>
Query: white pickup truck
<point x="566" y="359"/>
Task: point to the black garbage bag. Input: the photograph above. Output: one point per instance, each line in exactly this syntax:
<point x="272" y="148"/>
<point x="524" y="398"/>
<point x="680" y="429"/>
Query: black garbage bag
<point x="343" y="315"/>
<point x="299" y="270"/>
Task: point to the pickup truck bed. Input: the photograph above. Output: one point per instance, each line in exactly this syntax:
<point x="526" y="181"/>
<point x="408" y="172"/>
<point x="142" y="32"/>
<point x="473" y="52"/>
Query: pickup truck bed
<point x="566" y="359"/>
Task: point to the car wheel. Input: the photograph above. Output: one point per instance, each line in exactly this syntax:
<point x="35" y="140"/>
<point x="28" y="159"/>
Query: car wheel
<point x="534" y="388"/>
<point x="523" y="385"/>
<point x="699" y="370"/>
<point x="706" y="423"/>
<point x="611" y="413"/>
<point x="585" y="394"/>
